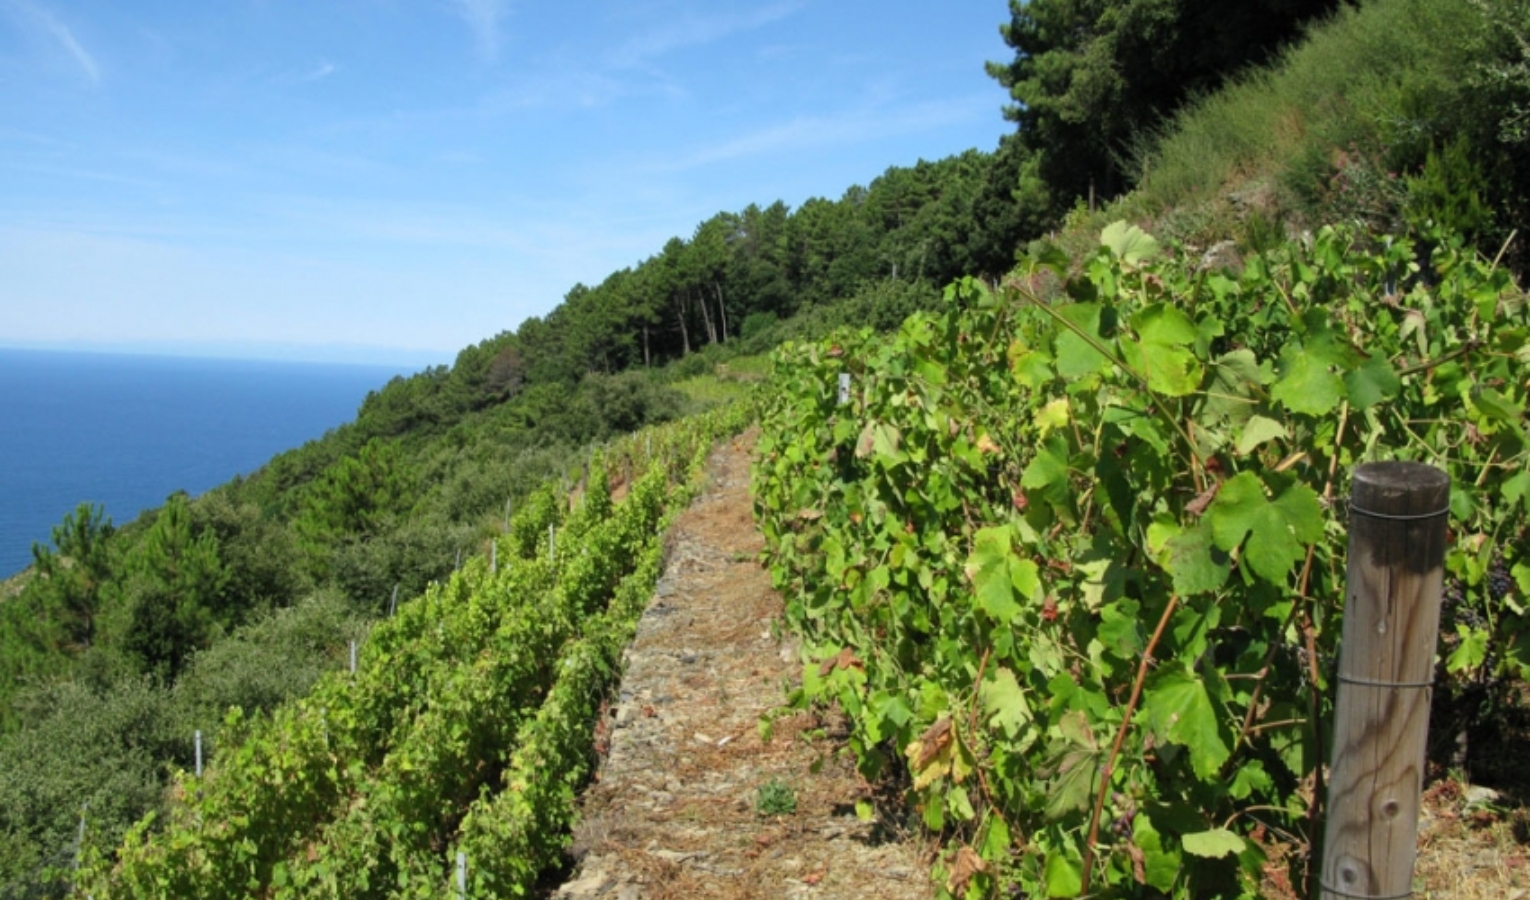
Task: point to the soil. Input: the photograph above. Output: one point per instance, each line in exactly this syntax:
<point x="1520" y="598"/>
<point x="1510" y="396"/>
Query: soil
<point x="677" y="808"/>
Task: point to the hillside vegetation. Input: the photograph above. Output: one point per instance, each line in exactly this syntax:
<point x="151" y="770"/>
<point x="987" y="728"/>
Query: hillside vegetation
<point x="1042" y="466"/>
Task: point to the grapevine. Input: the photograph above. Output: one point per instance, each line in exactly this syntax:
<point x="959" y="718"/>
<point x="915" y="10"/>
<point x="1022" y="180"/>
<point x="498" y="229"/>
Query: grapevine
<point x="471" y="712"/>
<point x="977" y="547"/>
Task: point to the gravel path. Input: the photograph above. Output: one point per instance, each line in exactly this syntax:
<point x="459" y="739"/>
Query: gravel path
<point x="675" y="811"/>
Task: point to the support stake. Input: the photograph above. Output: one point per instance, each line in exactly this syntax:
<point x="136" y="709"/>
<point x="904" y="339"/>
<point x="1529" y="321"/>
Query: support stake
<point x="1397" y="537"/>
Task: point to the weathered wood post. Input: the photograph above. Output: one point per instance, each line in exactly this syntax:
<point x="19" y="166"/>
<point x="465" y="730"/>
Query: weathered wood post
<point x="1397" y="522"/>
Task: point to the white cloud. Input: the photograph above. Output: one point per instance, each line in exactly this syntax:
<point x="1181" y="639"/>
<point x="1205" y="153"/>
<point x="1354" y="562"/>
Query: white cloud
<point x="323" y="70"/>
<point x="42" y="23"/>
<point x="696" y="30"/>
<point x="850" y="127"/>
<point x="483" y="17"/>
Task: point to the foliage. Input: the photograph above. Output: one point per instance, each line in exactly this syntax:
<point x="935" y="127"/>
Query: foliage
<point x="175" y="591"/>
<point x="1343" y="128"/>
<point x="1072" y="567"/>
<point x="1088" y="77"/>
<point x="775" y="798"/>
<point x="467" y="724"/>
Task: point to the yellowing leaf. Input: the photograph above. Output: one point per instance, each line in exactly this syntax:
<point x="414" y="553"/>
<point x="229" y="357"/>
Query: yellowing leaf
<point x="1213" y="844"/>
<point x="1054" y="415"/>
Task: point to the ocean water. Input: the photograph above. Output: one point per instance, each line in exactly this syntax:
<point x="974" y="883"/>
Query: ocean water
<point x="125" y="432"/>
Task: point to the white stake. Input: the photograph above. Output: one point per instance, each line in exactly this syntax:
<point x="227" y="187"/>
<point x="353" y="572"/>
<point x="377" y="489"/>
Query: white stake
<point x="393" y="604"/>
<point x="552" y="544"/>
<point x="353" y="657"/>
<point x="461" y="875"/>
<point x="844" y="388"/>
<point x="198" y="742"/>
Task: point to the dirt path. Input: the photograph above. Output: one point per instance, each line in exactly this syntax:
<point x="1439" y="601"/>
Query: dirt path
<point x="675" y="810"/>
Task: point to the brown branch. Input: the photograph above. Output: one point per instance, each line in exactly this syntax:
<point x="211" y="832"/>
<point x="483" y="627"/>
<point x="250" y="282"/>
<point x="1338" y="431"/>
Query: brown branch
<point x="1115" y="750"/>
<point x="1428" y="364"/>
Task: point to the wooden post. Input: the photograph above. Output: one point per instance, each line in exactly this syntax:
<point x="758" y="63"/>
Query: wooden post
<point x="1398" y="517"/>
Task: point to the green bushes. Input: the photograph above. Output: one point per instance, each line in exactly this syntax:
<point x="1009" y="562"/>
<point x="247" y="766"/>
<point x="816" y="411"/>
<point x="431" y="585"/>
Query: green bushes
<point x="1344" y="129"/>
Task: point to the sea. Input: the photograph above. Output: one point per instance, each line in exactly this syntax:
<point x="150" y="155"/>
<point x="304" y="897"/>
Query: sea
<point x="127" y="431"/>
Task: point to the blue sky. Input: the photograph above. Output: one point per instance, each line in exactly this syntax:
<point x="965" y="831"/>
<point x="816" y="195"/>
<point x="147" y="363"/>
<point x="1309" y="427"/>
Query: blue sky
<point x="391" y="180"/>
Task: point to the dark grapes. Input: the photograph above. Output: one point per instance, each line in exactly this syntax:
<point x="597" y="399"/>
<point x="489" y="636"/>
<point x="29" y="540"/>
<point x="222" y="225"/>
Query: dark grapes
<point x="1499" y="582"/>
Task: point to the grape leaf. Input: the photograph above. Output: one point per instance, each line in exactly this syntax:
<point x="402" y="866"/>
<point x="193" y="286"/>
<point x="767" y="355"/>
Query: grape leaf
<point x="1161" y="353"/>
<point x="1004" y="701"/>
<point x="1256" y="431"/>
<point x="1213" y="844"/>
<point x="1119" y="630"/>
<point x="1195" y="563"/>
<point x="1371" y="383"/>
<point x="1306" y="385"/>
<point x="1179" y="710"/>
<point x="1075" y="357"/>
<point x="1129" y="243"/>
<point x="1279" y="529"/>
<point x="1064" y="876"/>
<point x="1161" y="867"/>
<point x="998" y="574"/>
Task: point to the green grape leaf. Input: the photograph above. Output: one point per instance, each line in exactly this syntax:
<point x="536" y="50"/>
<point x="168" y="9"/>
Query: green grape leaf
<point x="1161" y="867"/>
<point x="1194" y="561"/>
<point x="1236" y="381"/>
<point x="1306" y="385"/>
<point x="1031" y="367"/>
<point x="1004" y="702"/>
<point x="1119" y="630"/>
<point x="996" y="840"/>
<point x="1064" y="876"/>
<point x="1161" y="354"/>
<point x="1075" y="357"/>
<point x="998" y="575"/>
<point x="1179" y="710"/>
<point x="1128" y="243"/>
<point x="1371" y="383"/>
<point x="1279" y="528"/>
<point x="1047" y="469"/>
<point x="1258" y="430"/>
<point x="1070" y="766"/>
<point x="881" y="439"/>
<point x="1470" y="653"/>
<point x="1213" y="844"/>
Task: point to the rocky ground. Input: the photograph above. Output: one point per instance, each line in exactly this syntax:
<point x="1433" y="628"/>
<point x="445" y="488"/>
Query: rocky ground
<point x="691" y="801"/>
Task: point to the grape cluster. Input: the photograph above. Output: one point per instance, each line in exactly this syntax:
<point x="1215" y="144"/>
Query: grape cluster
<point x="1453" y="601"/>
<point x="1499" y="582"/>
<point x="1121" y="826"/>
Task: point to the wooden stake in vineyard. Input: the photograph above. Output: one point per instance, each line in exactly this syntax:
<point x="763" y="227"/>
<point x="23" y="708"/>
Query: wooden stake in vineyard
<point x="1398" y="516"/>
